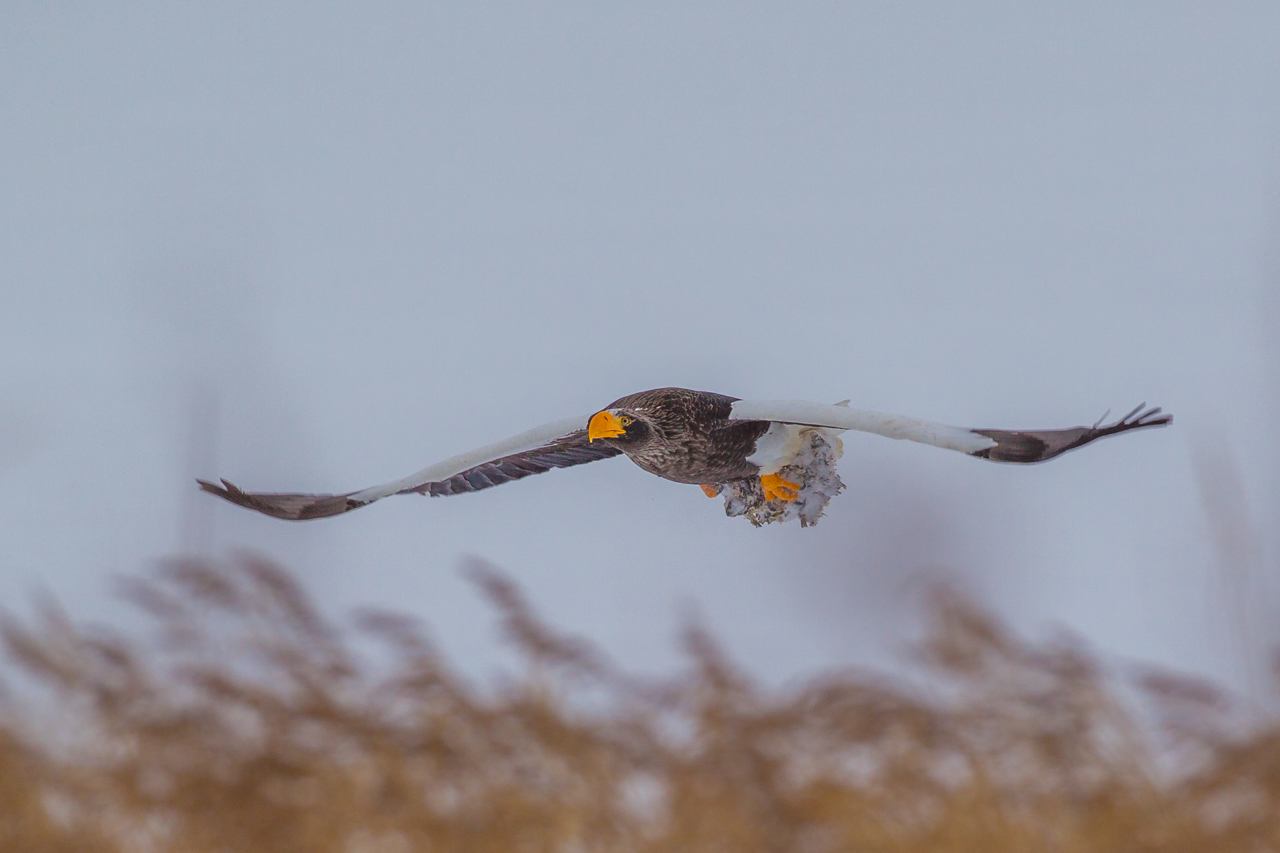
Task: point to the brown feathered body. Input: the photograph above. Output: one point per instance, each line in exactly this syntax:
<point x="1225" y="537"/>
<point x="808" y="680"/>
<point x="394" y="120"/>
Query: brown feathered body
<point x="686" y="436"/>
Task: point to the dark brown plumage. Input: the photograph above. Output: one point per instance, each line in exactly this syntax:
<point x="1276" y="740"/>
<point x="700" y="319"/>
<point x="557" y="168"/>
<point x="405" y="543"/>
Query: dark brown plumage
<point x="686" y="436"/>
<point x="567" y="451"/>
<point x="1042" y="445"/>
<point x="572" y="449"/>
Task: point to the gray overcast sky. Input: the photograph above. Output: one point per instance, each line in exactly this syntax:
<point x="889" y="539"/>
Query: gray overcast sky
<point x="360" y="240"/>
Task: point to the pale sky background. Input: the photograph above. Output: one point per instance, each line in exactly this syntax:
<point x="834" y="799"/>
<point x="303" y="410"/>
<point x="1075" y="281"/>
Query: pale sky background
<point x="315" y="248"/>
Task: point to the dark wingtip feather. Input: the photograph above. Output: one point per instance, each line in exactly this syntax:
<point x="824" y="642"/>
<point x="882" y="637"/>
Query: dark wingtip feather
<point x="1145" y="417"/>
<point x="1040" y="445"/>
<point x="215" y="490"/>
<point x="1153" y="417"/>
<point x="290" y="507"/>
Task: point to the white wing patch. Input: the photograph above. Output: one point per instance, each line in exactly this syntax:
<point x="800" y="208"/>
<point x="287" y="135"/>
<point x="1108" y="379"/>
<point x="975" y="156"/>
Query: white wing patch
<point x="527" y="440"/>
<point x="803" y="412"/>
<point x="778" y="447"/>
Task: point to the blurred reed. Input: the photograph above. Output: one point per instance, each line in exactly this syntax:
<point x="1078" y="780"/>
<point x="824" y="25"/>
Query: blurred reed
<point x="250" y="722"/>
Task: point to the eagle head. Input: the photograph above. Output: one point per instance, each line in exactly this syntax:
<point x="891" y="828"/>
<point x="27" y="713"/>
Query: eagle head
<point x="620" y="426"/>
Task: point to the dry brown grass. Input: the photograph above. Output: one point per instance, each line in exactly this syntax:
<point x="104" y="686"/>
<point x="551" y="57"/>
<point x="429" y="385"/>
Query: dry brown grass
<point x="250" y="724"/>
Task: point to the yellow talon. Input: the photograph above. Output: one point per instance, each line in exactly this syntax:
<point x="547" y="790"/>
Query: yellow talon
<point x="778" y="489"/>
<point x="709" y="490"/>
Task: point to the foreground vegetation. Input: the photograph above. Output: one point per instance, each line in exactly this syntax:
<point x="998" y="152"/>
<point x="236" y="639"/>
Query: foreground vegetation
<point x="250" y="723"/>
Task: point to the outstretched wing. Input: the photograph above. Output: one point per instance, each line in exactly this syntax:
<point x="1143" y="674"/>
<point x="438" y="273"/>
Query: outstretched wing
<point x="557" y="445"/>
<point x="996" y="444"/>
<point x="564" y="452"/>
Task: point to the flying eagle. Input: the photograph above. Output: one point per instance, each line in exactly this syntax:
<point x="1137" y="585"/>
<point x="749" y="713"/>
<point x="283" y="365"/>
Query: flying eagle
<point x="774" y="458"/>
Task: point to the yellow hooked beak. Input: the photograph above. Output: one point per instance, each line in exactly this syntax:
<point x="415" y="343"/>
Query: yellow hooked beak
<point x="605" y="425"/>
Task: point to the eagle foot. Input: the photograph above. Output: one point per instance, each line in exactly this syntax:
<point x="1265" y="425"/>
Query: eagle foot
<point x="778" y="489"/>
<point x="710" y="490"/>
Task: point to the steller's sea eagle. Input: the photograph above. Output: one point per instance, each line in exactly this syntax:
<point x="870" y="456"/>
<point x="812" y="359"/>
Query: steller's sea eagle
<point x="774" y="459"/>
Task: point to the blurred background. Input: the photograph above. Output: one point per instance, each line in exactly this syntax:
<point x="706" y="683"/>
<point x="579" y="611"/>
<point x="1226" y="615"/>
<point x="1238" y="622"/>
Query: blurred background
<point x="314" y="248"/>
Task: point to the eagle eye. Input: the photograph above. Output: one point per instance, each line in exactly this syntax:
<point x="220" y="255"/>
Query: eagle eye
<point x="625" y="421"/>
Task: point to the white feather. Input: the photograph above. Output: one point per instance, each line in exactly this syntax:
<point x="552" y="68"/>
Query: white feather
<point x="527" y="440"/>
<point x="841" y="417"/>
<point x="783" y="443"/>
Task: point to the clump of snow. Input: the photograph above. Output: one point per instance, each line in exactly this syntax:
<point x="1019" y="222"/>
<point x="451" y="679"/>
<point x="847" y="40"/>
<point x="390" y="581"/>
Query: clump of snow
<point x="813" y="467"/>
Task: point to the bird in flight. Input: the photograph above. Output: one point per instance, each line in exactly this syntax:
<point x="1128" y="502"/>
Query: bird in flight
<point x="767" y="454"/>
